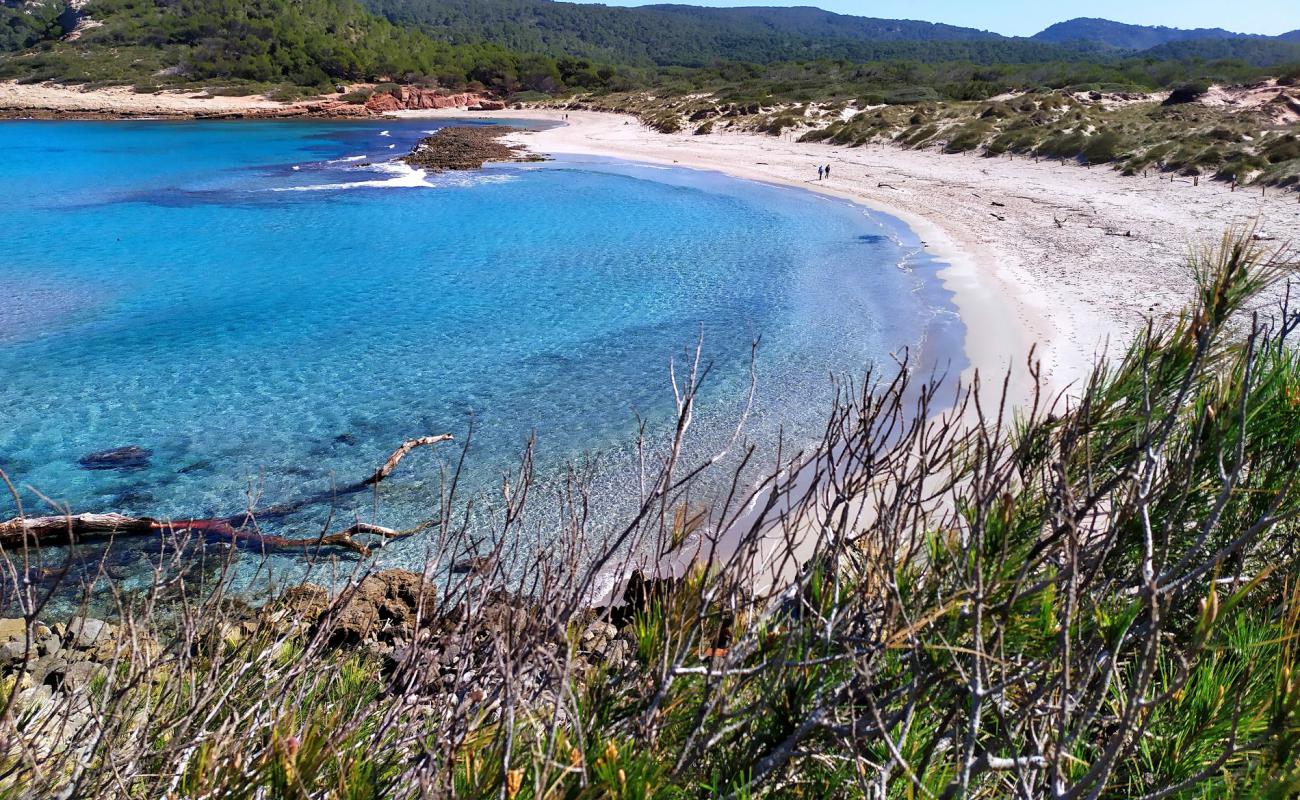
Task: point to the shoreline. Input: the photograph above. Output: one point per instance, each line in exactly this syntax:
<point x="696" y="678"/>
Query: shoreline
<point x="1055" y="260"/>
<point x="1066" y="260"/>
<point x="977" y="304"/>
<point x="1063" y="259"/>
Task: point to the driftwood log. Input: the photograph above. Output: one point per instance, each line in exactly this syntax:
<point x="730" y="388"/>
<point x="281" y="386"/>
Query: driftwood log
<point x="240" y="528"/>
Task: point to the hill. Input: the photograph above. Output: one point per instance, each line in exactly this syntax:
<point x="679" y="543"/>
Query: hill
<point x="693" y="36"/>
<point x="1121" y="36"/>
<point x="513" y="46"/>
<point x="299" y="43"/>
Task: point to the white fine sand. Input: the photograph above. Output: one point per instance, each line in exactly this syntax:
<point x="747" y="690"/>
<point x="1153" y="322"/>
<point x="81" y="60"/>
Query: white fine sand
<point x="122" y="100"/>
<point x="1017" y="276"/>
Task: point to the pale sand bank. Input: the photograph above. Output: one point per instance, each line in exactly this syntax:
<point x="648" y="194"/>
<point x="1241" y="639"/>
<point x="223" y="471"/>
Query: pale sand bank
<point x="1018" y="277"/>
<point x="121" y="100"/>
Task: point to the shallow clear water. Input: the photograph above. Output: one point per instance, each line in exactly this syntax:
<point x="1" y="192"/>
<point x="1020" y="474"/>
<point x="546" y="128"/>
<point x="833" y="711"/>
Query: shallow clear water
<point x="268" y="305"/>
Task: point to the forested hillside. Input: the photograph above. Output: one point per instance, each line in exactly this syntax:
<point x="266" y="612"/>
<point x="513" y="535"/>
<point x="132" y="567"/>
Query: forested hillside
<point x="25" y="24"/>
<point x="291" y="47"/>
<point x="1119" y="36"/>
<point x="694" y="36"/>
<point x="306" y="43"/>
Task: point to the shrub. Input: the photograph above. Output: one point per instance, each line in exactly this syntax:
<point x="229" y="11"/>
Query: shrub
<point x="918" y="135"/>
<point x="1282" y="149"/>
<point x="1063" y="145"/>
<point x="910" y="96"/>
<point x="967" y="138"/>
<point x="1102" y="148"/>
<point x="1187" y="93"/>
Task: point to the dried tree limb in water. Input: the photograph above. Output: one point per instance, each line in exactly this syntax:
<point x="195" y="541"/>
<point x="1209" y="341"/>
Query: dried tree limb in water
<point x="70" y="527"/>
<point x="402" y="452"/>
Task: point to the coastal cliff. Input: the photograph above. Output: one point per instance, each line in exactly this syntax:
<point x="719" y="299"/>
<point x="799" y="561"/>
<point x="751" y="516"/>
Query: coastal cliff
<point x="408" y="98"/>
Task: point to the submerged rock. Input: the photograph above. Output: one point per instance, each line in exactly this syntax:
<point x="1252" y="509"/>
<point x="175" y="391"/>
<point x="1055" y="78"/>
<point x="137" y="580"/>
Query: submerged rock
<point x="120" y="458"/>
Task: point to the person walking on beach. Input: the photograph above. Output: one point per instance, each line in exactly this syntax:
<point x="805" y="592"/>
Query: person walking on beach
<point x="828" y="171"/>
<point x="819" y="172"/>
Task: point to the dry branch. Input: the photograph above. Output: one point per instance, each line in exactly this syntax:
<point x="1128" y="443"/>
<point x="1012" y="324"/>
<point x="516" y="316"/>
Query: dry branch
<point x="402" y="452"/>
<point x="239" y="528"/>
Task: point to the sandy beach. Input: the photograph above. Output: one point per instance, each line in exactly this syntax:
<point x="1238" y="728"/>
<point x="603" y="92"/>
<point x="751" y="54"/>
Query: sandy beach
<point x="1069" y="259"/>
<point x="114" y="101"/>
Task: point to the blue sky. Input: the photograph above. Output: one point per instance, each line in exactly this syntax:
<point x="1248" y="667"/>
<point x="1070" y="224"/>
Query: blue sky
<point x="1026" y="17"/>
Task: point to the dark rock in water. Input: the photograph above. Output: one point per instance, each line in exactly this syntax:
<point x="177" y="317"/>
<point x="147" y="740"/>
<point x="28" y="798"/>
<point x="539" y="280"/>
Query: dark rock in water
<point x="122" y="458"/>
<point x="128" y="498"/>
<point x="346" y="438"/>
<point x="465" y="148"/>
<point x="197" y="466"/>
<point x="478" y="565"/>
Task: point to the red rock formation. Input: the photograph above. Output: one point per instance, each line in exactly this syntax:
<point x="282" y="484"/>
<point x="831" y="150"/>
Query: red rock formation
<point x="407" y="98"/>
<point x="383" y="103"/>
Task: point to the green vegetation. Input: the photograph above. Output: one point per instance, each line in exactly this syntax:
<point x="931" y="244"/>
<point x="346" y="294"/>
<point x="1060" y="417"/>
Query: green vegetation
<point x="29" y="24"/>
<point x="1099" y="600"/>
<point x="683" y="35"/>
<point x="311" y="44"/>
<point x="1092" y="113"/>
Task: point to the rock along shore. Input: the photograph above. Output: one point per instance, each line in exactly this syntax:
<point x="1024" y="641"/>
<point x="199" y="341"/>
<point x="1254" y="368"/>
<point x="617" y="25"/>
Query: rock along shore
<point x="466" y="148"/>
<point x="56" y="102"/>
<point x="447" y="651"/>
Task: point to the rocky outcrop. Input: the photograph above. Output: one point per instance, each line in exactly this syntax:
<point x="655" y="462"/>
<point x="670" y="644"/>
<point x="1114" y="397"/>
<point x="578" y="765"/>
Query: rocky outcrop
<point x="466" y="655"/>
<point x="392" y="602"/>
<point x="464" y="148"/>
<point x="410" y="98"/>
<point x="332" y="109"/>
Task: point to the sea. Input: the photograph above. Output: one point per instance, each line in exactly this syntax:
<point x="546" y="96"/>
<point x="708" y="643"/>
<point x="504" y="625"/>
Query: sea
<point x="269" y="308"/>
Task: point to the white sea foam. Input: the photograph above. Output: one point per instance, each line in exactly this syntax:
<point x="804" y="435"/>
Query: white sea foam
<point x="404" y="176"/>
<point x="347" y="160"/>
<point x="385" y="133"/>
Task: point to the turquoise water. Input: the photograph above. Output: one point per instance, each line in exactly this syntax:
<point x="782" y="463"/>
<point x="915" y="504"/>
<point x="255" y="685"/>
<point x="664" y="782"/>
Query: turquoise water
<point x="268" y="307"/>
